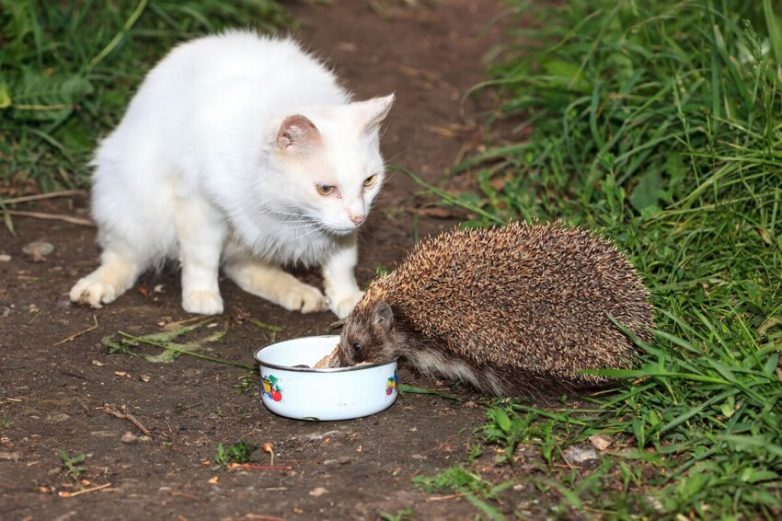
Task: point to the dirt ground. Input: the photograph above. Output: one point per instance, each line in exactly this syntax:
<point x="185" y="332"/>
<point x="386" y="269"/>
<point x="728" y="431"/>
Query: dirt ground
<point x="57" y="380"/>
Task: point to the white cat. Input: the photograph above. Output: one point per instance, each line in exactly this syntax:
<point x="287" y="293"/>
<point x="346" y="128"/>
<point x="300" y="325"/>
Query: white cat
<point x="238" y="151"/>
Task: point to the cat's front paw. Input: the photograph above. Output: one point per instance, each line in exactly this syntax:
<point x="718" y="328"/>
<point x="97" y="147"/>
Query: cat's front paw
<point x="203" y="302"/>
<point x="93" y="291"/>
<point x="304" y="298"/>
<point x="342" y="305"/>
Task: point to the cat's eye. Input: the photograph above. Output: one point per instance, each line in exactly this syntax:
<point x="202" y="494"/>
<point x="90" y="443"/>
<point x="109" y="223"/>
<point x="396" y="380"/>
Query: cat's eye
<point x="326" y="189"/>
<point x="357" y="347"/>
<point x="369" y="181"/>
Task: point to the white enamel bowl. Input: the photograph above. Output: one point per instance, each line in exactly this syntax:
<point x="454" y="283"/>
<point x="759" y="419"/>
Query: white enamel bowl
<point x="321" y="394"/>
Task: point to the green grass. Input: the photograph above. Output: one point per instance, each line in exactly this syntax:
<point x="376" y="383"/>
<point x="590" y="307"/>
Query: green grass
<point x="68" y="69"/>
<point x="660" y="124"/>
<point x="73" y="466"/>
<point x="239" y="452"/>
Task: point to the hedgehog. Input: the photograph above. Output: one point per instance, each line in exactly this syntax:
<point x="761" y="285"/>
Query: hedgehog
<point x="513" y="311"/>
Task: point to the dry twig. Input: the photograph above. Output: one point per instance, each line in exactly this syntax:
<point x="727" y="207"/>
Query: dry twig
<point x="80" y="333"/>
<point x="256" y="466"/>
<point x="83" y="491"/>
<point x="38" y="197"/>
<point x="109" y="409"/>
<point x="52" y="217"/>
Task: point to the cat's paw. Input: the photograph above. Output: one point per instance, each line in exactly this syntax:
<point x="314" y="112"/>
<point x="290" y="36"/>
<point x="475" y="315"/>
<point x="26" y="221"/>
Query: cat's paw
<point x="203" y="302"/>
<point x="342" y="305"/>
<point x="304" y="298"/>
<point x="94" y="291"/>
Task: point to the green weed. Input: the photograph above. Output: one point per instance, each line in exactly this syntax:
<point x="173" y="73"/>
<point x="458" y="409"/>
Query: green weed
<point x="239" y="452"/>
<point x="406" y="514"/>
<point x="128" y="344"/>
<point x="478" y="491"/>
<point x="68" y="69"/>
<point x="247" y="382"/>
<point x="73" y="465"/>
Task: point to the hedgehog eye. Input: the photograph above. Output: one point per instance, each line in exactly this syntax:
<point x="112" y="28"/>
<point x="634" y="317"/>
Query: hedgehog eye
<point x="325" y="189"/>
<point x="357" y="347"/>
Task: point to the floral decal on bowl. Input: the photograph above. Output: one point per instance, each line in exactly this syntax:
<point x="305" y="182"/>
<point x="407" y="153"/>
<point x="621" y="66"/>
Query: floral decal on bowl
<point x="270" y="387"/>
<point x="391" y="384"/>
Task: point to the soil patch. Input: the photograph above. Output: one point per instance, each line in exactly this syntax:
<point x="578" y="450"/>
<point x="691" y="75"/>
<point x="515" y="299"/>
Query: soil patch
<point x="62" y="395"/>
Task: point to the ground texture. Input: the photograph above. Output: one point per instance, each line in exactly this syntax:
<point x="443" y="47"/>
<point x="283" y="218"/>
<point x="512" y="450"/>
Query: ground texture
<point x="59" y="386"/>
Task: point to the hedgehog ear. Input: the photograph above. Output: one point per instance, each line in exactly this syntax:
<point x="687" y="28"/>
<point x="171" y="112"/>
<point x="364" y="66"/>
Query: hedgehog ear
<point x="382" y="316"/>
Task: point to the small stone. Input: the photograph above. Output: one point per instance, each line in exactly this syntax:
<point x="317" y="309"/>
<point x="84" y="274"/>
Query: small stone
<point x="600" y="442"/>
<point x="342" y="460"/>
<point x="419" y="457"/>
<point x="144" y="378"/>
<point x="4" y="257"/>
<point x="98" y="363"/>
<point x="38" y="250"/>
<point x="129" y="438"/>
<point x="576" y="455"/>
<point x="318" y="491"/>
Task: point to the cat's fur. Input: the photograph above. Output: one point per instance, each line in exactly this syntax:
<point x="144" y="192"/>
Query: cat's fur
<point x="219" y="160"/>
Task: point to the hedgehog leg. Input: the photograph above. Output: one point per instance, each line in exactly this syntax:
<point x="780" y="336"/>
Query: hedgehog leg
<point x="339" y="280"/>
<point x="272" y="283"/>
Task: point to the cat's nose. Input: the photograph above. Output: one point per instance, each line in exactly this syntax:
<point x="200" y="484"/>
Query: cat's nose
<point x="358" y="219"/>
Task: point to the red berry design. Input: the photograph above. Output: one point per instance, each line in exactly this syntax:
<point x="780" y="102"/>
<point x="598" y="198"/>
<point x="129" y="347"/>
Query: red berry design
<point x="276" y="395"/>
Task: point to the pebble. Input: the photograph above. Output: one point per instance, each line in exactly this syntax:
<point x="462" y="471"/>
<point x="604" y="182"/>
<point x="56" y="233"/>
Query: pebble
<point x="129" y="438"/>
<point x="38" y="250"/>
<point x="577" y="455"/>
<point x="4" y="257"/>
<point x="318" y="491"/>
<point x="600" y="442"/>
<point x="342" y="460"/>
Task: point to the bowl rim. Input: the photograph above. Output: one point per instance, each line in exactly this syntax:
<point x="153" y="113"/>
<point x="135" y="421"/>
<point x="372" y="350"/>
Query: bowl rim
<point x="322" y="370"/>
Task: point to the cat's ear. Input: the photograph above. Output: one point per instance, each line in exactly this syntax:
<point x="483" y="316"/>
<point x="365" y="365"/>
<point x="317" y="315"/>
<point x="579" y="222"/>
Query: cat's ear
<point x="297" y="133"/>
<point x="372" y="112"/>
